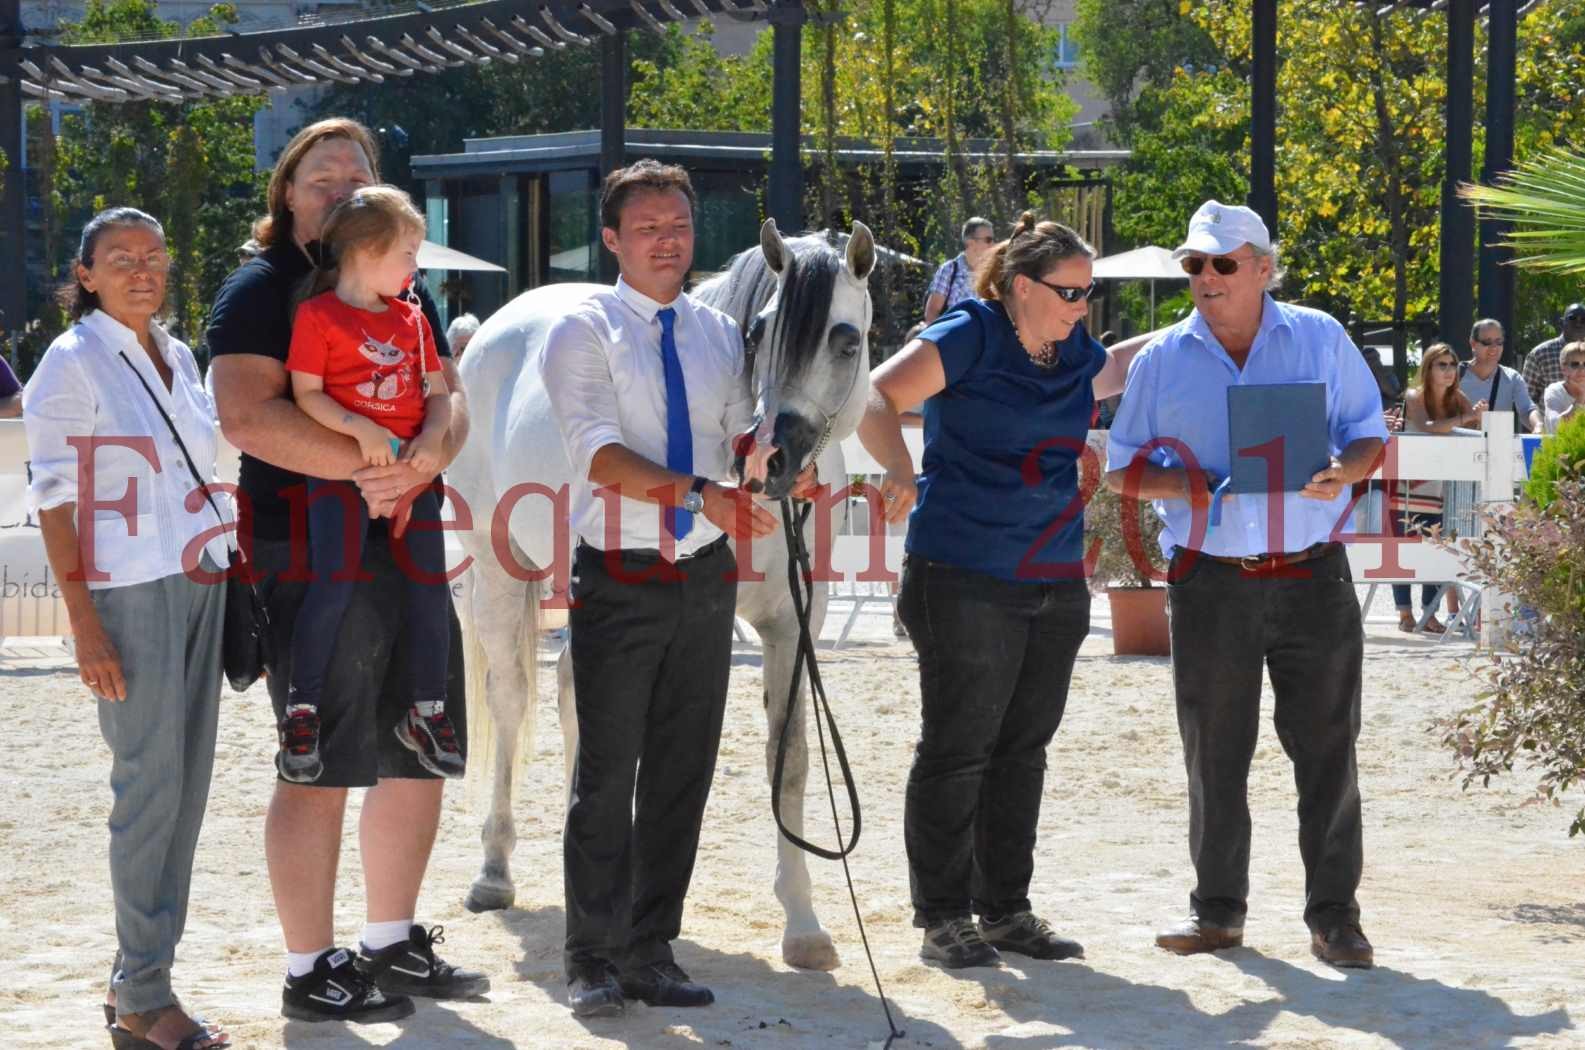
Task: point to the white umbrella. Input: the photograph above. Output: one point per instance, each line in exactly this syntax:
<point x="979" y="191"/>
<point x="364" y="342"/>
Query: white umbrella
<point x="432" y="256"/>
<point x="1150" y="263"/>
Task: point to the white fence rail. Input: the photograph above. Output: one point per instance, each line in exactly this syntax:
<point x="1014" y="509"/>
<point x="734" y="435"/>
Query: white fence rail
<point x="1493" y="459"/>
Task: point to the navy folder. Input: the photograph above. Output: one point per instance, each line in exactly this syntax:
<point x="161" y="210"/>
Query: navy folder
<point x="1277" y="436"/>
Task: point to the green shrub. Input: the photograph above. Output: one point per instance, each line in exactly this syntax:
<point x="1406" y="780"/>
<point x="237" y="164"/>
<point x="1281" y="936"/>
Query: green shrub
<point x="1532" y="711"/>
<point x="1562" y="455"/>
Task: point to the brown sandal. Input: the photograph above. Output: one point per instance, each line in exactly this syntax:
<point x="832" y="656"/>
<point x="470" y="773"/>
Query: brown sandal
<point x="203" y="1038"/>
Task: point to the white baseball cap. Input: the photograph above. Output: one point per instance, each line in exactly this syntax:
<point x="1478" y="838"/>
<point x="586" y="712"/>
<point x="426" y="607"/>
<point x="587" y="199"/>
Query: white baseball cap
<point x="1221" y="229"/>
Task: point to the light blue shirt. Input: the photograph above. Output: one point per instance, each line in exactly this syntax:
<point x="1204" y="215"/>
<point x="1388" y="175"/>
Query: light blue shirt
<point x="1177" y="389"/>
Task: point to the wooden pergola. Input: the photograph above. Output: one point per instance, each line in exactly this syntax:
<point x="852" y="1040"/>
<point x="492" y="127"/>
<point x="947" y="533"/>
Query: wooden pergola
<point x="389" y="48"/>
<point x="1458" y="241"/>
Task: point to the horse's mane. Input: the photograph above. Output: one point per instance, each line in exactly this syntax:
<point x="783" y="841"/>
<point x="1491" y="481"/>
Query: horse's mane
<point x="748" y="283"/>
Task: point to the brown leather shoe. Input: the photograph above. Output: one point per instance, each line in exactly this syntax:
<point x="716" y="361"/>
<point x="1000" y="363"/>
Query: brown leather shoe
<point x="1191" y="936"/>
<point x="1343" y="945"/>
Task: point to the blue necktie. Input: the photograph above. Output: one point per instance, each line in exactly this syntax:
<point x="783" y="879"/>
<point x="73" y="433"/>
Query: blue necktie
<point x="679" y="434"/>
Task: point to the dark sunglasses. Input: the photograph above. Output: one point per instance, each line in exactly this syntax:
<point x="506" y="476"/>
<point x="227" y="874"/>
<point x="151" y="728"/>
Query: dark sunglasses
<point x="1068" y="293"/>
<point x="1489" y="342"/>
<point x="1193" y="265"/>
<point x="1574" y="364"/>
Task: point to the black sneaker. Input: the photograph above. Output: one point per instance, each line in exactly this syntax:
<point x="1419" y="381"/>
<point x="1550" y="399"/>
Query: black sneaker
<point x="298" y="757"/>
<point x="434" y="741"/>
<point x="411" y="967"/>
<point x="956" y="943"/>
<point x="1026" y="933"/>
<point x="336" y="991"/>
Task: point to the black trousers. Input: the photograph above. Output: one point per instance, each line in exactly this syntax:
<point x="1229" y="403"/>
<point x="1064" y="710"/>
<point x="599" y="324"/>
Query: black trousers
<point x="651" y="651"/>
<point x="995" y="659"/>
<point x="1302" y="625"/>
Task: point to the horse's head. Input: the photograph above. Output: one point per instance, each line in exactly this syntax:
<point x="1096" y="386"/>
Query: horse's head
<point x="810" y="348"/>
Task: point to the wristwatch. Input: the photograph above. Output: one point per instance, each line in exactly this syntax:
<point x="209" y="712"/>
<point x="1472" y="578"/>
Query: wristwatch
<point x="693" y="502"/>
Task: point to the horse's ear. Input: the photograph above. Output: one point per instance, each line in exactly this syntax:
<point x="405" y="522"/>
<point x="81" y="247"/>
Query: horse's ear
<point x="776" y="251"/>
<point x="861" y="251"/>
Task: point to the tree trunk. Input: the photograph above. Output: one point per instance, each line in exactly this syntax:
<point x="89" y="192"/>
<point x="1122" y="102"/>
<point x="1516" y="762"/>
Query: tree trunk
<point x="1393" y="197"/>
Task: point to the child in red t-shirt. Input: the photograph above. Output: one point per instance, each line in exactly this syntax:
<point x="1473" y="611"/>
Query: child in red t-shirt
<point x="363" y="364"/>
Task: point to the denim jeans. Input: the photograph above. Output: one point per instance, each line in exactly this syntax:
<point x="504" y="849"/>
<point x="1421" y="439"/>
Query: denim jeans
<point x="995" y="658"/>
<point x="1401" y="596"/>
<point x="1302" y="626"/>
<point x="338" y="525"/>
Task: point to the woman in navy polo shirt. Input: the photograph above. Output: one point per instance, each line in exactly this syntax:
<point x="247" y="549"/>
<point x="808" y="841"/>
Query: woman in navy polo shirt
<point x="993" y="591"/>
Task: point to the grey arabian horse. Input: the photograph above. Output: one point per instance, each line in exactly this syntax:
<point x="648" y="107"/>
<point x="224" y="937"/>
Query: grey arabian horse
<point x="805" y="310"/>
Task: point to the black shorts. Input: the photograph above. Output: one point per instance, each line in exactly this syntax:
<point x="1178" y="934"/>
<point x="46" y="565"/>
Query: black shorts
<point x="357" y="741"/>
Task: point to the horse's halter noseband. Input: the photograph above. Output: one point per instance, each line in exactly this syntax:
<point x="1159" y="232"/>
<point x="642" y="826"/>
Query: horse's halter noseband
<point x="830" y="417"/>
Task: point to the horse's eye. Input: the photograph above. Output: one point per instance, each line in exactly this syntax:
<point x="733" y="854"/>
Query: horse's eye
<point x="845" y="340"/>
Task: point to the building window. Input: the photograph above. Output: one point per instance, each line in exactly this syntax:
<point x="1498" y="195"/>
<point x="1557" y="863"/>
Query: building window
<point x="1067" y="48"/>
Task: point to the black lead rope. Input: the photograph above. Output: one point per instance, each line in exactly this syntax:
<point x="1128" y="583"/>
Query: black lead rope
<point x="800" y="582"/>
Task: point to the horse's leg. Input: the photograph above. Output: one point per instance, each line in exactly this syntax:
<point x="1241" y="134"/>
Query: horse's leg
<point x="804" y="943"/>
<point x="505" y="618"/>
<point x="567" y="712"/>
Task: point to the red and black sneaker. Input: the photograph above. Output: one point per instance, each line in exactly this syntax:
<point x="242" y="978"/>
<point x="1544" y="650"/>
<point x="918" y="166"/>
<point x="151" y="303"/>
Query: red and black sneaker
<point x="298" y="757"/>
<point x="433" y="740"/>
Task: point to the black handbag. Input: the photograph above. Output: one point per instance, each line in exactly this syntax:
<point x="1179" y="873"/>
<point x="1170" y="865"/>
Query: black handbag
<point x="245" y="648"/>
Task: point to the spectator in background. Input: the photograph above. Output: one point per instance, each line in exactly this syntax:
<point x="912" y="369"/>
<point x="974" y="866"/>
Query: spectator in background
<point x="954" y="280"/>
<point x="1543" y="366"/>
<point x="459" y="332"/>
<point x="10" y="392"/>
<point x="1486" y="379"/>
<point x="1563" y="399"/>
<point x="1436" y="406"/>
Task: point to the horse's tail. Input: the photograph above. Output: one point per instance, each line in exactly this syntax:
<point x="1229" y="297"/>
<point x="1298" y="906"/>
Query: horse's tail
<point x="482" y="728"/>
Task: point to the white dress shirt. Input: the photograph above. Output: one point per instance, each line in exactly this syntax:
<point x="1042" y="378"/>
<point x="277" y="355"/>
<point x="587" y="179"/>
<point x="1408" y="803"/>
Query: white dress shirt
<point x="602" y="369"/>
<point x="82" y="389"/>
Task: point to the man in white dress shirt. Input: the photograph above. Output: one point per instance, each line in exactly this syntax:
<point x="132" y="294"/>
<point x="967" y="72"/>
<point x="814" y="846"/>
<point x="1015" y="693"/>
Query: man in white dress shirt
<point x="648" y="389"/>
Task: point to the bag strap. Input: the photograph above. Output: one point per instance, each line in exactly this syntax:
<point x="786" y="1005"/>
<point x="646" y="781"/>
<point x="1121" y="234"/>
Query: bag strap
<point x="1496" y="378"/>
<point x="186" y="457"/>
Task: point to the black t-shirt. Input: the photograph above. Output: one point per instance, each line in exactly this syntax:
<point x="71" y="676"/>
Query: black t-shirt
<point x="252" y="315"/>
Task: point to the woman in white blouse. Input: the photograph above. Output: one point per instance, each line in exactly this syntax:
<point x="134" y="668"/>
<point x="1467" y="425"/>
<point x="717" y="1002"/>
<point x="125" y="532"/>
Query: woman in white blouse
<point x="1566" y="400"/>
<point x="139" y="565"/>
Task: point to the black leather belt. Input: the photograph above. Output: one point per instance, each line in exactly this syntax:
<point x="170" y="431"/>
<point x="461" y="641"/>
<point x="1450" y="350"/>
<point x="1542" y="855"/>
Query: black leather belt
<point x="649" y="555"/>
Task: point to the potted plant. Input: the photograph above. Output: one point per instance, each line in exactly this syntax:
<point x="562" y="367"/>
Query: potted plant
<point x="1121" y="536"/>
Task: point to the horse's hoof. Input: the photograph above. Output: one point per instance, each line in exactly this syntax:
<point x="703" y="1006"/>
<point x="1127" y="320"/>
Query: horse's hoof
<point x="484" y="896"/>
<point x="810" y="951"/>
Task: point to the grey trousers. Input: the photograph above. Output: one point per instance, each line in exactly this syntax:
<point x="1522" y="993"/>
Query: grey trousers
<point x="162" y="745"/>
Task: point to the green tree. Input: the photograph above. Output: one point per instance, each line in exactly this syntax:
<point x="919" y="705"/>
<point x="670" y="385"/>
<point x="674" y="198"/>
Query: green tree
<point x="190" y="165"/>
<point x="1361" y="150"/>
<point x="1127" y="46"/>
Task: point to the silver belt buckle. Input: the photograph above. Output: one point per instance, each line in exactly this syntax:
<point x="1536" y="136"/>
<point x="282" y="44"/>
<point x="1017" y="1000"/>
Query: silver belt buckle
<point x="1253" y="562"/>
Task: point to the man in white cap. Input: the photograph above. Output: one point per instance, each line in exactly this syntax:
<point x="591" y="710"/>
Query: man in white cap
<point x="1264" y="588"/>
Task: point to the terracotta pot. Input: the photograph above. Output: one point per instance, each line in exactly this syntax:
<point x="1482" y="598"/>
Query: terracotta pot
<point x="1139" y="621"/>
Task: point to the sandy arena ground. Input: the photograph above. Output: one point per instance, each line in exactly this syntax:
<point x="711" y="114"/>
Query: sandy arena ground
<point x="1475" y="900"/>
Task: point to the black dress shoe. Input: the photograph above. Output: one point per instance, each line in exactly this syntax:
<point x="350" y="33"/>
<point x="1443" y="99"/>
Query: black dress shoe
<point x="664" y="984"/>
<point x="595" y="993"/>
